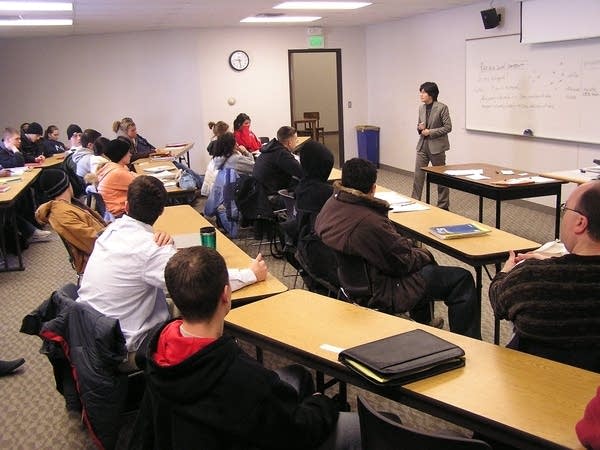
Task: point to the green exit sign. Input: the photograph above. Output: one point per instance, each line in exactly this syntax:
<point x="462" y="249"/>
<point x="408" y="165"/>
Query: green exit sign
<point x="316" y="42"/>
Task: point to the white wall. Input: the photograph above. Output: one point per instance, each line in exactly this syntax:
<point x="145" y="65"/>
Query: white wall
<point x="171" y="82"/>
<point x="431" y="47"/>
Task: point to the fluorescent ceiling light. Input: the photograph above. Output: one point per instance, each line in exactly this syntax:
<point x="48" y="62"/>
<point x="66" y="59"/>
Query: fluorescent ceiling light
<point x="35" y="22"/>
<point x="321" y="5"/>
<point x="279" y="19"/>
<point x="36" y="6"/>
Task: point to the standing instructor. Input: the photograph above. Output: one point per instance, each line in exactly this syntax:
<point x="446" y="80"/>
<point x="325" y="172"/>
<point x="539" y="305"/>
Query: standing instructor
<point x="433" y="127"/>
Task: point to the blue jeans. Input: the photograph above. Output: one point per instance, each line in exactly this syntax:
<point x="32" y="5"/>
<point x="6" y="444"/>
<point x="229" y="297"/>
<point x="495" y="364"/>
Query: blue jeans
<point x="455" y="286"/>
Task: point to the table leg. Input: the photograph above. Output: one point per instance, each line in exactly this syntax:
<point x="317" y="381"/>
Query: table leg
<point x="481" y="209"/>
<point x="498" y="213"/>
<point x="557" y="219"/>
<point x="8" y="221"/>
<point x="427" y="188"/>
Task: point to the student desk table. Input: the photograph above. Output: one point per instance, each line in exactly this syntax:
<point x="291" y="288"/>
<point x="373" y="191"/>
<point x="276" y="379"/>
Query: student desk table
<point x="519" y="399"/>
<point x="476" y="251"/>
<point x="179" y="151"/>
<point x="336" y="174"/>
<point x="8" y="216"/>
<point x="147" y="163"/>
<point x="573" y="176"/>
<point x="184" y="219"/>
<point x="487" y="188"/>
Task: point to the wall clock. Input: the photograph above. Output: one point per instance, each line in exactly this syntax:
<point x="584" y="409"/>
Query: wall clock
<point x="239" y="60"/>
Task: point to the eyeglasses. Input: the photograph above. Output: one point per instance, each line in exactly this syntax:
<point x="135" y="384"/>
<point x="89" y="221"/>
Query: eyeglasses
<point x="563" y="209"/>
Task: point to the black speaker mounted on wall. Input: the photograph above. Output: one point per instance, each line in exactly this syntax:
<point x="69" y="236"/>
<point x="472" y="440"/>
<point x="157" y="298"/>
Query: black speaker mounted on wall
<point x="491" y="18"/>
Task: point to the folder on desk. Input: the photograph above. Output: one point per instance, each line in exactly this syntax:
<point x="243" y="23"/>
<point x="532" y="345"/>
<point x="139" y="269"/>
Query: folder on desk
<point x="459" y="231"/>
<point x="403" y="358"/>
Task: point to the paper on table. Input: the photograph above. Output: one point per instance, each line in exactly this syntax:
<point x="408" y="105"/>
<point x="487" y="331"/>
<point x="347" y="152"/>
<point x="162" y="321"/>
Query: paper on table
<point x="393" y="197"/>
<point x="463" y="172"/>
<point x="399" y="202"/>
<point x="164" y="175"/>
<point x="157" y="169"/>
<point x="507" y="172"/>
<point x="477" y="176"/>
<point x="17" y="170"/>
<point x="539" y="179"/>
<point x="409" y="207"/>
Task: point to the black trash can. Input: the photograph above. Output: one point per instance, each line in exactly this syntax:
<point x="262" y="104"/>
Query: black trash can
<point x="368" y="143"/>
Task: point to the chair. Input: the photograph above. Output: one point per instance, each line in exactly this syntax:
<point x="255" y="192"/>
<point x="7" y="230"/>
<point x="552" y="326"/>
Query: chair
<point x="95" y="201"/>
<point x="319" y="130"/>
<point x="381" y="433"/>
<point x="86" y="349"/>
<point x="353" y="274"/>
<point x="264" y="140"/>
<point x="355" y="283"/>
<point x="72" y="259"/>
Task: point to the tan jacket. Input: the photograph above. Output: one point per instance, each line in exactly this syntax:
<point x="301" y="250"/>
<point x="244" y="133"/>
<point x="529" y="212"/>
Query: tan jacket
<point x="77" y="224"/>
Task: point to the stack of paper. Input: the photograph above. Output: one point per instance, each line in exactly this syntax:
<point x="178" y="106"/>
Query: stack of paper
<point x="157" y="169"/>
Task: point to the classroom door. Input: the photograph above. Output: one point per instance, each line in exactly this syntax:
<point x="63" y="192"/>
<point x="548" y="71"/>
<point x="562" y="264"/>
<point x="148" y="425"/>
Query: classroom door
<point x="316" y="86"/>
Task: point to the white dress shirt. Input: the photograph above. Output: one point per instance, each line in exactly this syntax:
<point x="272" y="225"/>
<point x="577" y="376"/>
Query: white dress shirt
<point x="124" y="278"/>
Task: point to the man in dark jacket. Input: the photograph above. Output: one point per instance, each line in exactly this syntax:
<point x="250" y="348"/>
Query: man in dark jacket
<point x="403" y="277"/>
<point x="31" y="143"/>
<point x="214" y="395"/>
<point x="553" y="301"/>
<point x="10" y="154"/>
<point x="311" y="194"/>
<point x="276" y="168"/>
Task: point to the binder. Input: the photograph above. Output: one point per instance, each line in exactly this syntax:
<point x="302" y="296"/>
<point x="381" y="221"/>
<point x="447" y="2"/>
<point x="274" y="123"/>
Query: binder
<point x="403" y="358"/>
<point x="459" y="231"/>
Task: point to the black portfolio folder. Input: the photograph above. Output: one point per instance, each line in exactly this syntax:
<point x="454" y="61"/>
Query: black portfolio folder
<point x="403" y="358"/>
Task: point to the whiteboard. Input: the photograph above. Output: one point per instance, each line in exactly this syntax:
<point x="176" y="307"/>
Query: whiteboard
<point x="551" y="89"/>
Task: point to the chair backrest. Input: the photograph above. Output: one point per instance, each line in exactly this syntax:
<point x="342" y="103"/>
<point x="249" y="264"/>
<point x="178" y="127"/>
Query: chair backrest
<point x="289" y="200"/>
<point x="354" y="278"/>
<point x="264" y="139"/>
<point x="381" y="433"/>
<point x="313" y="115"/>
<point x="95" y="201"/>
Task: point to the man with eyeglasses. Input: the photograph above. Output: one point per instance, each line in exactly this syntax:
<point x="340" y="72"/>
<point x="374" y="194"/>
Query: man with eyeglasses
<point x="554" y="301"/>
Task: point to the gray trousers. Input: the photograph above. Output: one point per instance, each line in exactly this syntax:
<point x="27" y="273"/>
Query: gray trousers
<point x="424" y="157"/>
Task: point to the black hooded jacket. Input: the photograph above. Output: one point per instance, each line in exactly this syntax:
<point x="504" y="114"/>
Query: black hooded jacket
<point x="220" y="398"/>
<point x="276" y="168"/>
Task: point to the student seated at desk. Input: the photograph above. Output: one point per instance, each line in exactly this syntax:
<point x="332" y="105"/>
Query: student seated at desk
<point x="31" y="143"/>
<point x="312" y="192"/>
<point x="402" y="277"/>
<point x="83" y="157"/>
<point x="51" y="143"/>
<point x="114" y="177"/>
<point x="588" y="428"/>
<point x="124" y="277"/>
<point x="77" y="224"/>
<point x="230" y="160"/>
<point x="276" y="168"/>
<point x="126" y="129"/>
<point x="553" y="301"/>
<point x="243" y="136"/>
<point x="213" y="394"/>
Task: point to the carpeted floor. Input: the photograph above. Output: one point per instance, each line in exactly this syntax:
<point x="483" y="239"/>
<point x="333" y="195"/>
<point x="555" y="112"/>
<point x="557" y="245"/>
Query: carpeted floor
<point x="33" y="414"/>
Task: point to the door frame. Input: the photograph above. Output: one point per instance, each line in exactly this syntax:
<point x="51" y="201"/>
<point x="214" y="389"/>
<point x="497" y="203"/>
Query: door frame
<point x="340" y="103"/>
